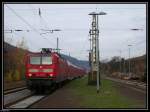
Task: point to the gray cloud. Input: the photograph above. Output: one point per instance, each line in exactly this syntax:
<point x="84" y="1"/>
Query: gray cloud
<point x="74" y="21"/>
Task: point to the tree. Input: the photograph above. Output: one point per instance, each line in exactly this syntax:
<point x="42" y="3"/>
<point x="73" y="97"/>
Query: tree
<point x="13" y="62"/>
<point x="20" y="53"/>
<point x="114" y="64"/>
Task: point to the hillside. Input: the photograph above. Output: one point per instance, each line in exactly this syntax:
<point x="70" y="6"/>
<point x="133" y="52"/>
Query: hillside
<point x="8" y="47"/>
<point x="80" y="63"/>
<point x="121" y="69"/>
<point x="139" y="58"/>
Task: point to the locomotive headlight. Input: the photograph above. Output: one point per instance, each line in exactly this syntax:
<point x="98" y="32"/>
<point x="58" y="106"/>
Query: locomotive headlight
<point x="33" y="70"/>
<point x="30" y="75"/>
<point x="47" y="70"/>
<point x="50" y="75"/>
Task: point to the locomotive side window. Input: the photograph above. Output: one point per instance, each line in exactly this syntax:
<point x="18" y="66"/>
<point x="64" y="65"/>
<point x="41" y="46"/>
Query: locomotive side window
<point x="35" y="60"/>
<point x="46" y="60"/>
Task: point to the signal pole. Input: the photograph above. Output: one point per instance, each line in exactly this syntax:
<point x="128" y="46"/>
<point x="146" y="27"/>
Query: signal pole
<point x="94" y="33"/>
<point x="124" y="70"/>
<point x="129" y="59"/>
<point x="57" y="44"/>
<point x="120" y="61"/>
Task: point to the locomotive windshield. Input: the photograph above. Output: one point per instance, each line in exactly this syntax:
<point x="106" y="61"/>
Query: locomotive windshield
<point x="46" y="60"/>
<point x="36" y="60"/>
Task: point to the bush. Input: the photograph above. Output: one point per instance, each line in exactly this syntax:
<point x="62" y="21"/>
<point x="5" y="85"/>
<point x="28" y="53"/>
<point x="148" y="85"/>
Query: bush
<point x="9" y="77"/>
<point x="16" y="76"/>
<point x="22" y="73"/>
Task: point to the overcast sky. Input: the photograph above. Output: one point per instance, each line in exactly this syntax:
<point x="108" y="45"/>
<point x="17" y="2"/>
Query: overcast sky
<point x="74" y="22"/>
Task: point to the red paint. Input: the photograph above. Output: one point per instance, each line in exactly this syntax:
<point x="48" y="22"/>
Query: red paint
<point x="62" y="69"/>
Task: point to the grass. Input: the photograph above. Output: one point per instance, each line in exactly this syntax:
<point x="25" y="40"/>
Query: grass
<point x="108" y="97"/>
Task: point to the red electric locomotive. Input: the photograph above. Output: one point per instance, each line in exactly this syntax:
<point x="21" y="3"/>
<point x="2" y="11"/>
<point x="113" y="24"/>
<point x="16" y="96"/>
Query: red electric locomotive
<point x="47" y="68"/>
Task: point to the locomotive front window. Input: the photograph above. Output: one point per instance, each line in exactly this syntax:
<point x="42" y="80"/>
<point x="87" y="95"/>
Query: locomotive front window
<point x="35" y="60"/>
<point x="46" y="60"/>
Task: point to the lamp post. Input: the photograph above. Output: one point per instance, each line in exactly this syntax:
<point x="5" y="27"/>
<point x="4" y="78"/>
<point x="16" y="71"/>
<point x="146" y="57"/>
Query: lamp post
<point x="120" y="61"/>
<point x="133" y="29"/>
<point x="129" y="60"/>
<point x="95" y="46"/>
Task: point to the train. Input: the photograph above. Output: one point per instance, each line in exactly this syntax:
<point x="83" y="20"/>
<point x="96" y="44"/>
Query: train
<point x="47" y="69"/>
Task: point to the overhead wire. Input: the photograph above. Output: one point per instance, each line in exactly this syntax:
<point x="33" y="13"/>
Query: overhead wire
<point x="42" y="20"/>
<point x="22" y="19"/>
<point x="34" y="29"/>
<point x="84" y="44"/>
<point x="45" y="23"/>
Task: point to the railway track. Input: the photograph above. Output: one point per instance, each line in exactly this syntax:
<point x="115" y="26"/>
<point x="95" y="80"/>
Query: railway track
<point x="27" y="102"/>
<point x="22" y="98"/>
<point x="14" y="95"/>
<point x="14" y="90"/>
<point x="139" y="86"/>
<point x="32" y="99"/>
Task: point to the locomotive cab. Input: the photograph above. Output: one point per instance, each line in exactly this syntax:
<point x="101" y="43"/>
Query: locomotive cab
<point x="40" y="70"/>
<point x="47" y="69"/>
